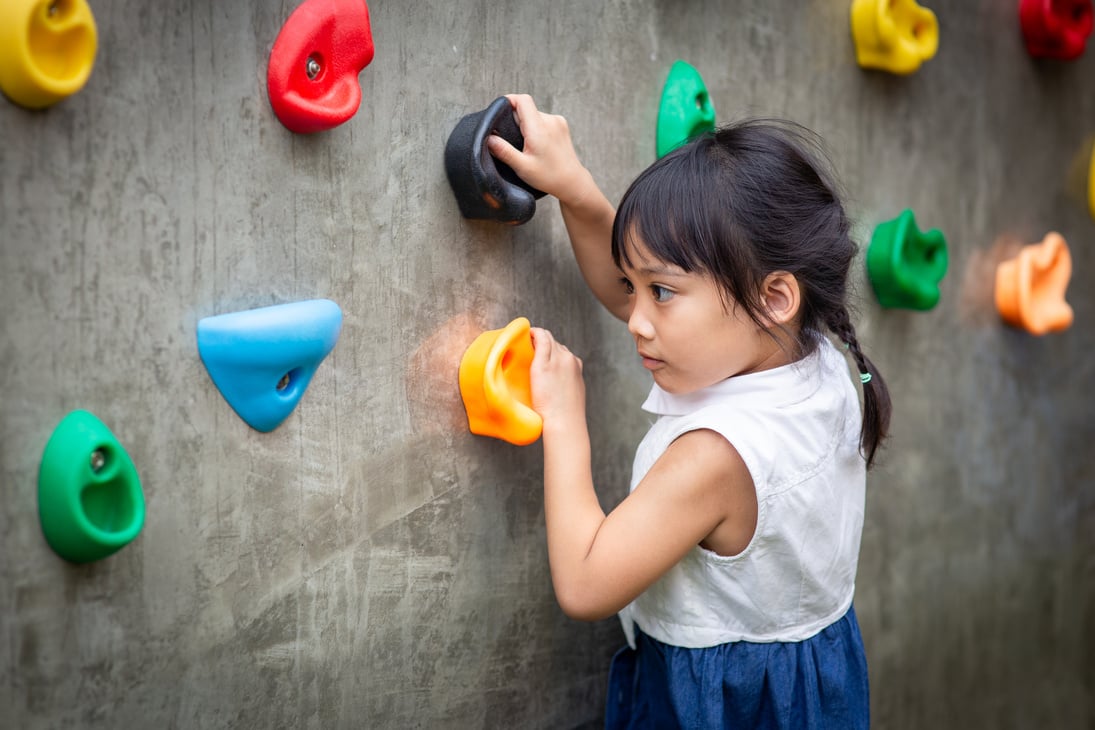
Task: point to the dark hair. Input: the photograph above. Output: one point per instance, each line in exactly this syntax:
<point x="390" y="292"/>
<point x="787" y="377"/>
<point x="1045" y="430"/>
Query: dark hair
<point x="742" y="202"/>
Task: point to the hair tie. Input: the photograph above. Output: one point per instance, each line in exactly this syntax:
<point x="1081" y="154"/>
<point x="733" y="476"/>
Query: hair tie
<point x="847" y="345"/>
<point x="864" y="378"/>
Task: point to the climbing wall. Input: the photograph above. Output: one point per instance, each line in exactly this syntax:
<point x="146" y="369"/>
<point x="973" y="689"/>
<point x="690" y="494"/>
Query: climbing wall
<point x="369" y="562"/>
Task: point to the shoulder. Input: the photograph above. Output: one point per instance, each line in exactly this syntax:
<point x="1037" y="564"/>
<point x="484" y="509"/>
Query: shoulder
<point x="709" y="450"/>
<point x="703" y="462"/>
<point x="741" y="438"/>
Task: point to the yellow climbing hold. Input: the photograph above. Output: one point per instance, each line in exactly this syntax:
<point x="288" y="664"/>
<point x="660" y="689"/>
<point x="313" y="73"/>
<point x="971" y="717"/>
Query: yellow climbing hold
<point x="47" y="49"/>
<point x="1091" y="185"/>
<point x="893" y="35"/>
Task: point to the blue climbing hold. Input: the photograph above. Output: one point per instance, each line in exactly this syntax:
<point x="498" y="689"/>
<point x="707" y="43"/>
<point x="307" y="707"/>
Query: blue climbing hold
<point x="262" y="360"/>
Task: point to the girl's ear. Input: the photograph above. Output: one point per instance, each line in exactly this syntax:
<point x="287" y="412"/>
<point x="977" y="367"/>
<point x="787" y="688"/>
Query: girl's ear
<point x="781" y="296"/>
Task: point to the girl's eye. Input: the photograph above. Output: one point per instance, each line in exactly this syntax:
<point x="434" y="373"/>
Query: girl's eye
<point x="628" y="286"/>
<point x="661" y="294"/>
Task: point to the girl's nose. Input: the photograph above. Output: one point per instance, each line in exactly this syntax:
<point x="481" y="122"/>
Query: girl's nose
<point x="638" y="324"/>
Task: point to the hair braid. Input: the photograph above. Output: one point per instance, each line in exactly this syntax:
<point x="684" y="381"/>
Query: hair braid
<point x="876" y="396"/>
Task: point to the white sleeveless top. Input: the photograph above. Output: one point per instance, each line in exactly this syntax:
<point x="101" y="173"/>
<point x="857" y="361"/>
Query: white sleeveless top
<point x="797" y="429"/>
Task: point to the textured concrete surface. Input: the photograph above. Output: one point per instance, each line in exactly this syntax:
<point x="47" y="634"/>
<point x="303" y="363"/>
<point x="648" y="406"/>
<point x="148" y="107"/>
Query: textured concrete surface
<point x="370" y="563"/>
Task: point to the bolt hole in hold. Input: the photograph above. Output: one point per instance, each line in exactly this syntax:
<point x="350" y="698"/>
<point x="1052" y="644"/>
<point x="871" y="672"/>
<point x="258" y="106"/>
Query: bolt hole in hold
<point x="313" y="67"/>
<point x="59" y="9"/>
<point x="287" y="385"/>
<point x="701" y="101"/>
<point x="98" y="460"/>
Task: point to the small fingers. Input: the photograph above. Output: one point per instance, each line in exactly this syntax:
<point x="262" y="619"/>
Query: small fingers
<point x="542" y="342"/>
<point x="545" y="345"/>
<point x="528" y="116"/>
<point x="502" y="150"/>
<point x="523" y="106"/>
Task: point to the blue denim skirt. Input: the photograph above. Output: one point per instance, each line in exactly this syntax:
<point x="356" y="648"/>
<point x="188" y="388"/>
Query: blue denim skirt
<point x="819" y="683"/>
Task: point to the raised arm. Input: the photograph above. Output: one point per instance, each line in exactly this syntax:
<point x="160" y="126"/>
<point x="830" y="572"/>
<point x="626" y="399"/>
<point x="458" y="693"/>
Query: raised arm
<point x="699" y="491"/>
<point x="549" y="162"/>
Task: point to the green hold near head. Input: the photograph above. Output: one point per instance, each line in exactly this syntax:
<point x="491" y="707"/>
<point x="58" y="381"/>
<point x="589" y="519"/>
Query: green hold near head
<point x="89" y="496"/>
<point x="686" y="110"/>
<point x="906" y="265"/>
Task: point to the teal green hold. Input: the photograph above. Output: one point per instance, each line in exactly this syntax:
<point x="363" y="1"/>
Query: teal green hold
<point x="686" y="110"/>
<point x="89" y="495"/>
<point x="905" y="265"/>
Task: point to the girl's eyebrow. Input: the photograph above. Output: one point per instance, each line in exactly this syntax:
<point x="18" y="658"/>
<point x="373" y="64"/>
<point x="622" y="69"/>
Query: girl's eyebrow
<point x="662" y="270"/>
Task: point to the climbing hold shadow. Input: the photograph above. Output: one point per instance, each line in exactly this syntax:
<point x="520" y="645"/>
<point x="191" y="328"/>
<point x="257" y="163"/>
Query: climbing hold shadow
<point x="905" y="265"/>
<point x="262" y="360"/>
<point x="685" y="110"/>
<point x="1056" y="28"/>
<point x="312" y="76"/>
<point x="487" y="188"/>
<point x="893" y="35"/>
<point x="495" y="385"/>
<point x="1030" y="288"/>
<point x="90" y="502"/>
<point x="47" y="49"/>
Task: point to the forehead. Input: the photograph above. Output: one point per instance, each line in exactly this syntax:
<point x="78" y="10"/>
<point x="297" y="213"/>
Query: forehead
<point x="639" y="259"/>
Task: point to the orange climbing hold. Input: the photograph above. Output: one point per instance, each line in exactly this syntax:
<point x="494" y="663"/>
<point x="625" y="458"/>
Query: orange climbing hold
<point x="1030" y="288"/>
<point x="495" y="385"/>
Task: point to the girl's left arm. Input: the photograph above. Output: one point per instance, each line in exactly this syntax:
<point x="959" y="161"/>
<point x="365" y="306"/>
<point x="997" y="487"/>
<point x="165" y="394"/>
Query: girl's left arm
<point x="600" y="563"/>
<point x="548" y="161"/>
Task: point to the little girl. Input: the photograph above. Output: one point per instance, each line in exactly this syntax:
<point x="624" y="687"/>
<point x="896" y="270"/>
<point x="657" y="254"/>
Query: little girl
<point x="732" y="561"/>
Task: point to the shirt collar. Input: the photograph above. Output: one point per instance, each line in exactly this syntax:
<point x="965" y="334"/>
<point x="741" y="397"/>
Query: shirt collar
<point x="776" y="387"/>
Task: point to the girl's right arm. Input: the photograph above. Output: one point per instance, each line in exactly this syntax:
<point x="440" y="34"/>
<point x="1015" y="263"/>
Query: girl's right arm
<point x="549" y="162"/>
<point x="698" y="491"/>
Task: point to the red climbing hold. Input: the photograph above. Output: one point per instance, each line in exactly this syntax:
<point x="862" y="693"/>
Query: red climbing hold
<point x="1056" y="28"/>
<point x="315" y="61"/>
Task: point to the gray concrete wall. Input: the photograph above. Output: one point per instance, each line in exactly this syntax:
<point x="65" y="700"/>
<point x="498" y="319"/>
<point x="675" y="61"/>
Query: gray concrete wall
<point x="370" y="563"/>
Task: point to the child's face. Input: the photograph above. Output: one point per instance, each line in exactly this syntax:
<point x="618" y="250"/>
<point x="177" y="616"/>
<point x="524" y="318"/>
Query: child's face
<point x="684" y="334"/>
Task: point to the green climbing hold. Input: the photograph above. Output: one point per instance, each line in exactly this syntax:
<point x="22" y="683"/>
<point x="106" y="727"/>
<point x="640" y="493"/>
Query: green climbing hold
<point x="89" y="495"/>
<point x="906" y="265"/>
<point x="686" y="110"/>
